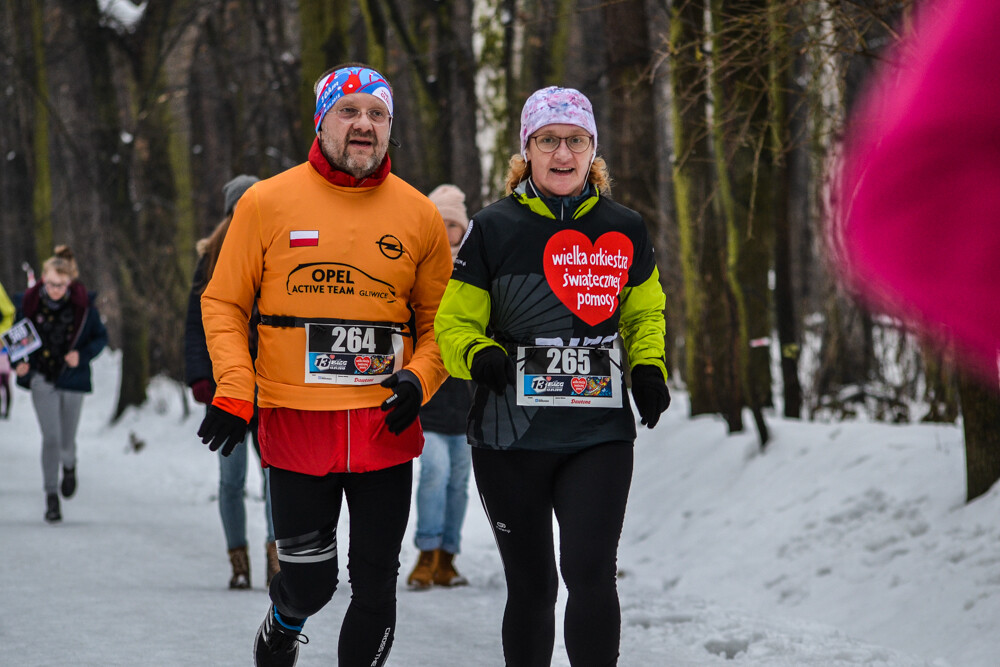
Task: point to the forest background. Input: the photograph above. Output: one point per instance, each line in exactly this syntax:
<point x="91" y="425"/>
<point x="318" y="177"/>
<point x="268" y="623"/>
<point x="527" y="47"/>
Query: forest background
<point x="720" y="120"/>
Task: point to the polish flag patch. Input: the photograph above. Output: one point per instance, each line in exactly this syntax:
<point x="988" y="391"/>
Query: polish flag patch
<point x="299" y="238"/>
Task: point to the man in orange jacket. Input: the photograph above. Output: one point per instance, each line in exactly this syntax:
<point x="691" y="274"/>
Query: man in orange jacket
<point x="346" y="263"/>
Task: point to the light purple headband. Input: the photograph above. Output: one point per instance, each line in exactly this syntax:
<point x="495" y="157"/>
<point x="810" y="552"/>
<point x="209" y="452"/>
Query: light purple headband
<point x="550" y="105"/>
<point x="345" y="81"/>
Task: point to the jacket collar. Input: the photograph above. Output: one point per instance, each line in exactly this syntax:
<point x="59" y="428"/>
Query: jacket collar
<point x="79" y="299"/>
<point x="557" y="208"/>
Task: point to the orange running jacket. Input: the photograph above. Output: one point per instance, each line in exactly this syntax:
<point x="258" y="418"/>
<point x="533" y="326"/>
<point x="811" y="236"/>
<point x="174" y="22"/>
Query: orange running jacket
<point x="315" y="251"/>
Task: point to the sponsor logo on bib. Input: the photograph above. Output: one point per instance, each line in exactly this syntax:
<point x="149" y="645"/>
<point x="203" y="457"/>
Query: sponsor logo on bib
<point x="578" y="384"/>
<point x="362" y="363"/>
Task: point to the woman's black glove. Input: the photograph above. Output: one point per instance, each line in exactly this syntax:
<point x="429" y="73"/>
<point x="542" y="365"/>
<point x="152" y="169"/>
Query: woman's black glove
<point x="492" y="368"/>
<point x="650" y="393"/>
<point x="404" y="404"/>
<point x="222" y="429"/>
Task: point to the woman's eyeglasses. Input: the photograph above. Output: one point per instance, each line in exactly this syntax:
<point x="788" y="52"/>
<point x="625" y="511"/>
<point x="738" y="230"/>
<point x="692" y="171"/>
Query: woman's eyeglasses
<point x="549" y="143"/>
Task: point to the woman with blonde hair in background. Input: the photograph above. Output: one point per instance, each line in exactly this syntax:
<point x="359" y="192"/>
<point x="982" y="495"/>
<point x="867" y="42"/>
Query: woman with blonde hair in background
<point x="58" y="373"/>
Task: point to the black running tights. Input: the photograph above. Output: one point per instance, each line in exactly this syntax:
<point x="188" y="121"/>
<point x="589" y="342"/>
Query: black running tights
<point x="305" y="510"/>
<point x="587" y="491"/>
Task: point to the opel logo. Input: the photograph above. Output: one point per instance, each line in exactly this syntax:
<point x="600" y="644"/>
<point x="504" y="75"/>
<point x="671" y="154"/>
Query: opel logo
<point x="390" y="246"/>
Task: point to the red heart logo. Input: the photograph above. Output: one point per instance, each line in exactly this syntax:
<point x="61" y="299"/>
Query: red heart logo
<point x="588" y="277"/>
<point x="578" y="384"/>
<point x="362" y="363"/>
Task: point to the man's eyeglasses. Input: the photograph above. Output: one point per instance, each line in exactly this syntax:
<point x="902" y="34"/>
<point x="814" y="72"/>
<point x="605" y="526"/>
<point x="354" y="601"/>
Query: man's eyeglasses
<point x="549" y="143"/>
<point x="56" y="286"/>
<point x="351" y="114"/>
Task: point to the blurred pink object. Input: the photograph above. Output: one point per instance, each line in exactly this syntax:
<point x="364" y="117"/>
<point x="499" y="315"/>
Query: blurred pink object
<point x="920" y="189"/>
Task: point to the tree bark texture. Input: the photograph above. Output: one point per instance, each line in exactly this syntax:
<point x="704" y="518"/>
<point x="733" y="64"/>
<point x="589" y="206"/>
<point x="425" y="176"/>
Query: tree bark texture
<point x="981" y="418"/>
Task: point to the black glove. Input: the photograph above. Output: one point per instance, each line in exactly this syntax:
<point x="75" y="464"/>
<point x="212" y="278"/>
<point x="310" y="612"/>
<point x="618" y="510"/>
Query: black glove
<point x="492" y="368"/>
<point x="650" y="393"/>
<point x="404" y="403"/>
<point x="222" y="429"/>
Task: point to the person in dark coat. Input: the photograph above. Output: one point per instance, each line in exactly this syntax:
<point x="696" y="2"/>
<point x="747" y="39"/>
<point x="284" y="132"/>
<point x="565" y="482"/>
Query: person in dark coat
<point x="58" y="373"/>
<point x="446" y="462"/>
<point x="7" y="312"/>
<point x="198" y="373"/>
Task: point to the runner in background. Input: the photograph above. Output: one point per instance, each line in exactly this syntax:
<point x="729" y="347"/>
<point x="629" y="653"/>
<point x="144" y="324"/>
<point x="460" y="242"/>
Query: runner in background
<point x="58" y="373"/>
<point x="446" y="462"/>
<point x="198" y="372"/>
<point x="7" y="312"/>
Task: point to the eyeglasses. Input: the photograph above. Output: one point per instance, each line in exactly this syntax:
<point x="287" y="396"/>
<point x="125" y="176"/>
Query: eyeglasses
<point x="549" y="143"/>
<point x="56" y="286"/>
<point x="351" y="114"/>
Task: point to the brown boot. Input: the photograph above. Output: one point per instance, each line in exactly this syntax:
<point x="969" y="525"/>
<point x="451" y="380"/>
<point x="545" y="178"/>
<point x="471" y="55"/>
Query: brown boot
<point x="240" y="559"/>
<point x="446" y="574"/>
<point x="422" y="576"/>
<point x="273" y="566"/>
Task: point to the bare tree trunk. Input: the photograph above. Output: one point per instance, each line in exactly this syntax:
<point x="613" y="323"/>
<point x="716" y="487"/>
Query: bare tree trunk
<point x="981" y="418"/>
<point x="740" y="122"/>
<point x="20" y="69"/>
<point x="941" y="388"/>
<point x="665" y="240"/>
<point x="112" y="169"/>
<point x="708" y="331"/>
<point x="631" y="99"/>
<point x="780" y="74"/>
<point x="463" y="165"/>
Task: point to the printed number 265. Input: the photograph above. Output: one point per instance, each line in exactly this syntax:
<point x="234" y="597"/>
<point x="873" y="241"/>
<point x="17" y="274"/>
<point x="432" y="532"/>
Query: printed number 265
<point x="568" y="361"/>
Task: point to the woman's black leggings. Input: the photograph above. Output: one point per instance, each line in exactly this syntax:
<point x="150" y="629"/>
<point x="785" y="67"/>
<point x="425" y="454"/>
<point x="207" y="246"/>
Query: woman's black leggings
<point x="588" y="491"/>
<point x="305" y="510"/>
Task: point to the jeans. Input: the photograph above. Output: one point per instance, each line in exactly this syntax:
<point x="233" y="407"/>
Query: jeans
<point x="232" y="485"/>
<point x="443" y="491"/>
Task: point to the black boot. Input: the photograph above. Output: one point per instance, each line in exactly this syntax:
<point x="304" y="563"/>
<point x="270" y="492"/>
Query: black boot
<point x="277" y="643"/>
<point x="52" y="513"/>
<point x="69" y="482"/>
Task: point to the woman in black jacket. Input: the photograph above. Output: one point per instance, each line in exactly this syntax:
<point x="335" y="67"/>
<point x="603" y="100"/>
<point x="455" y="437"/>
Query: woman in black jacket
<point x="58" y="373"/>
<point x="198" y="371"/>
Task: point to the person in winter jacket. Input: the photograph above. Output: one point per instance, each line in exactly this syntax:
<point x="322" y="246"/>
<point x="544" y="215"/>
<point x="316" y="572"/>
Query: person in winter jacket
<point x="554" y="290"/>
<point x="198" y="371"/>
<point x="58" y="373"/>
<point x="446" y="462"/>
<point x="346" y="264"/>
<point x="7" y="312"/>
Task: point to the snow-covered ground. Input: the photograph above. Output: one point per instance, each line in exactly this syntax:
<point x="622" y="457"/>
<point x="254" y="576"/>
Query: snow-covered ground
<point x="843" y="544"/>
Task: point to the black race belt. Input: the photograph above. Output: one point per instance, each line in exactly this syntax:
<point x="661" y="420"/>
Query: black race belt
<point x="290" y="322"/>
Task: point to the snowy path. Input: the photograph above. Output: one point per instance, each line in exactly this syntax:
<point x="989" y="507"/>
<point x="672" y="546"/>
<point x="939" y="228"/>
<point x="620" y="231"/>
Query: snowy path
<point x="727" y="558"/>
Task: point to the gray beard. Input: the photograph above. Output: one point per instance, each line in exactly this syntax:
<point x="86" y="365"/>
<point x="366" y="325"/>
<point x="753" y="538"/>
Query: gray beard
<point x="357" y="167"/>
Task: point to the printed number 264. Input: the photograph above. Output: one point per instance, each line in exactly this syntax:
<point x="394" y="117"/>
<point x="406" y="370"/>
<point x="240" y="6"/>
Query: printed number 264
<point x="568" y="361"/>
<point x="353" y="340"/>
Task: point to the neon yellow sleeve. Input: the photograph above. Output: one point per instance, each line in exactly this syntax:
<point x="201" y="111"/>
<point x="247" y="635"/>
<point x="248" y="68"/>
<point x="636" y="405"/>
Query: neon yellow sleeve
<point x="460" y="326"/>
<point x="7" y="310"/>
<point x="642" y="325"/>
